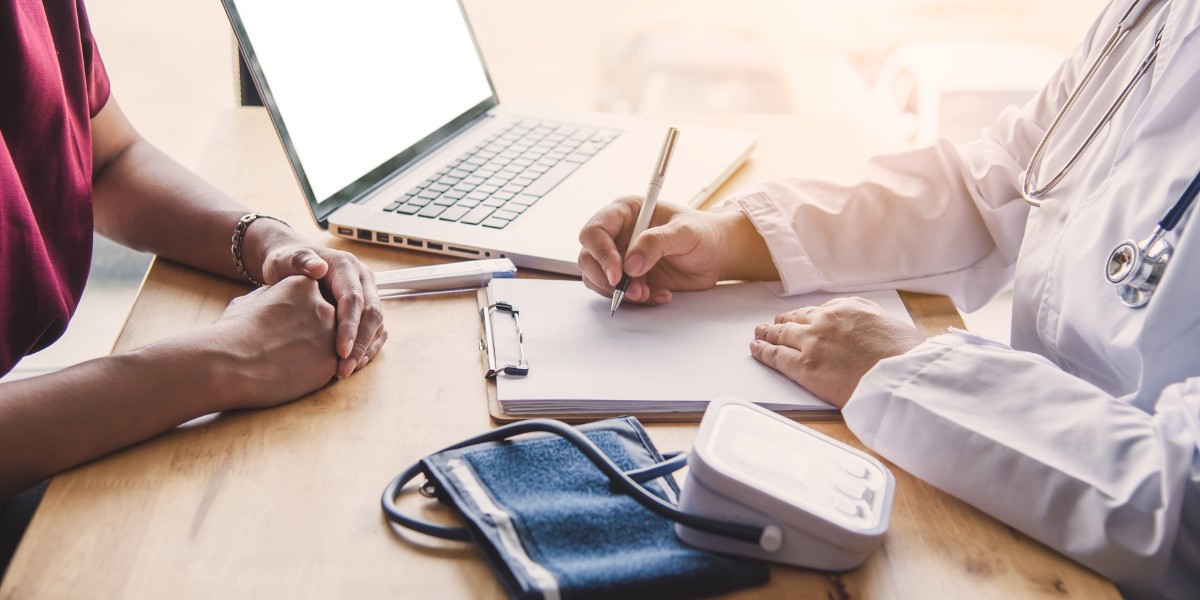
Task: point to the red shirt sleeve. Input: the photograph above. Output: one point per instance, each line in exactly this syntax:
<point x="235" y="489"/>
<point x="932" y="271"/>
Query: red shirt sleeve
<point x="52" y="82"/>
<point x="97" y="76"/>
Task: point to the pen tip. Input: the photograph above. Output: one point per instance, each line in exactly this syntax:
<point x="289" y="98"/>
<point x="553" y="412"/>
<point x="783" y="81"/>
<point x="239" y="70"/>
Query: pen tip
<point x="618" y="295"/>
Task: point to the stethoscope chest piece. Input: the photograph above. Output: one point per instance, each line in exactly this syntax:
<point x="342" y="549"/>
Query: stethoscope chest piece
<point x="1136" y="268"/>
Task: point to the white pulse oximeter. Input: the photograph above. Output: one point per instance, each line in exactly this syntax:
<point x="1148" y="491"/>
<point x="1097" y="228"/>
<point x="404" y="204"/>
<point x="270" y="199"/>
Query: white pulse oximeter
<point x="824" y="504"/>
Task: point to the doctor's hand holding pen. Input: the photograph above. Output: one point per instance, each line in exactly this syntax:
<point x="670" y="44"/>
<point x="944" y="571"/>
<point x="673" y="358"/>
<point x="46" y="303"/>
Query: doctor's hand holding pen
<point x="826" y="349"/>
<point x="683" y="250"/>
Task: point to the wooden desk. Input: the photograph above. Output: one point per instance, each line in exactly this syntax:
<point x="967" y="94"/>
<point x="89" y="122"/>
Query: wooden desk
<point x="285" y="502"/>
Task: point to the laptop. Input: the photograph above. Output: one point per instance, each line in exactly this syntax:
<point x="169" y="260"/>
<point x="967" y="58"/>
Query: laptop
<point x="393" y="129"/>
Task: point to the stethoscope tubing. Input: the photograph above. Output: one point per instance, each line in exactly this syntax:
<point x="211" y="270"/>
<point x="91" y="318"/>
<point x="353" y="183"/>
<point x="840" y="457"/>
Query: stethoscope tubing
<point x="1177" y="212"/>
<point x="1029" y="190"/>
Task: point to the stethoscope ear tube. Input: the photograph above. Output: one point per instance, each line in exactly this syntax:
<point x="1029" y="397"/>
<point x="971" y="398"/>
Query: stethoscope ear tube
<point x="1030" y="190"/>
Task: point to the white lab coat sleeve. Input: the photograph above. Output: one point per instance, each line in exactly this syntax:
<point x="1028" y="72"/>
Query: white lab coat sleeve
<point x="945" y="219"/>
<point x="1089" y="475"/>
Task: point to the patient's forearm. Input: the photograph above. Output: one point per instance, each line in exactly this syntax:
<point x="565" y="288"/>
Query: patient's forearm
<point x="56" y="421"/>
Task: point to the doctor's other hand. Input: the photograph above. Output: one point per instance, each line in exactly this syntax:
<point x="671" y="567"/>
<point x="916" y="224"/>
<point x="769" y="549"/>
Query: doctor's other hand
<point x="683" y="249"/>
<point x="278" y="341"/>
<point x="360" y="330"/>
<point x="828" y="348"/>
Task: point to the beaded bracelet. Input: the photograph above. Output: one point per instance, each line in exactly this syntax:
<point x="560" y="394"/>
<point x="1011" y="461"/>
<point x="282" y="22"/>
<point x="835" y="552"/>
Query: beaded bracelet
<point x="239" y="236"/>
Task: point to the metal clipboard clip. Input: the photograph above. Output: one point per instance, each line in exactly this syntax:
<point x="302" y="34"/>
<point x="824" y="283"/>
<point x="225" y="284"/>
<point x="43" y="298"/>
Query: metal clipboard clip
<point x="488" y="342"/>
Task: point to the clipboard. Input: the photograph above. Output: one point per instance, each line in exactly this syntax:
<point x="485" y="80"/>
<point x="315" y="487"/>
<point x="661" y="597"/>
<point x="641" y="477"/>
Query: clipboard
<point x="494" y="367"/>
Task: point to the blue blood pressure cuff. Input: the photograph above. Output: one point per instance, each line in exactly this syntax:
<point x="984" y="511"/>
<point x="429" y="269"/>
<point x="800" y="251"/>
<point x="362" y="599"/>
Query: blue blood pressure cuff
<point x="553" y="526"/>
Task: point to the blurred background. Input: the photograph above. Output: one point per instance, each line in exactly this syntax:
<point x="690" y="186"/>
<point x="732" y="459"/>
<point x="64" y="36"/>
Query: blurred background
<point x="903" y="72"/>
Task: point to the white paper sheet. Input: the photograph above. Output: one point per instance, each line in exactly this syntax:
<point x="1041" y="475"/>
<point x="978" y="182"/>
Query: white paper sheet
<point x="668" y="358"/>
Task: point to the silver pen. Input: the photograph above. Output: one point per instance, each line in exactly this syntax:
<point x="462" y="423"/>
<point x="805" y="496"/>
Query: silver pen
<point x="647" y="210"/>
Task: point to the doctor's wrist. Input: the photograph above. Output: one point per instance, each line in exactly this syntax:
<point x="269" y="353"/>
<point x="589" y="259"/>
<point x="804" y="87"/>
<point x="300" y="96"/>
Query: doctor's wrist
<point x="746" y="256"/>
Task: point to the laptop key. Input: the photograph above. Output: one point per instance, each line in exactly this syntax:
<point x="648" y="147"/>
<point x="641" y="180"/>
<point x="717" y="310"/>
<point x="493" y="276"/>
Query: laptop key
<point x="551" y="178"/>
<point x="524" y="199"/>
<point x="418" y="201"/>
<point x="453" y="213"/>
<point x="392" y="206"/>
<point x="444" y="201"/>
<point x="507" y="215"/>
<point x="431" y="211"/>
<point x="477" y="215"/>
<point x="409" y="209"/>
<point x="493" y="202"/>
<point x="495" y="223"/>
<point x="583" y="134"/>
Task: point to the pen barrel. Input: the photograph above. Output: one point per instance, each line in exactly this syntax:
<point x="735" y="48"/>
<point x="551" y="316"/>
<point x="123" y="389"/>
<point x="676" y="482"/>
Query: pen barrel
<point x="647" y="211"/>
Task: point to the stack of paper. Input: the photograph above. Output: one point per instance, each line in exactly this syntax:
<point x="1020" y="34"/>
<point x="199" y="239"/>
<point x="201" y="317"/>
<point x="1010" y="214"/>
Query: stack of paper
<point x="672" y="358"/>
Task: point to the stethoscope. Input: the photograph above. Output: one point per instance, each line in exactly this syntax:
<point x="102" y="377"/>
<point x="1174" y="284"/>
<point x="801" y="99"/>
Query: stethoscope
<point x="1134" y="267"/>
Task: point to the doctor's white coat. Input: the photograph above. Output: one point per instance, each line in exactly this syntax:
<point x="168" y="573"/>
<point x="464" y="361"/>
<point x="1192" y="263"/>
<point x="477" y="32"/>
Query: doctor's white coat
<point x="1084" y="434"/>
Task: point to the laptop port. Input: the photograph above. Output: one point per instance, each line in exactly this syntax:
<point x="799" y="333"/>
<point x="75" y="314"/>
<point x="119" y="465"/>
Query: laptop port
<point x="417" y="243"/>
<point x="463" y="250"/>
<point x="433" y="246"/>
<point x="365" y="234"/>
<point x="381" y="237"/>
<point x="345" y="231"/>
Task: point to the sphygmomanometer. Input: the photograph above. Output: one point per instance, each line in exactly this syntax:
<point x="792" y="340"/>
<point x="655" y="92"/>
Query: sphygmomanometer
<point x="759" y="486"/>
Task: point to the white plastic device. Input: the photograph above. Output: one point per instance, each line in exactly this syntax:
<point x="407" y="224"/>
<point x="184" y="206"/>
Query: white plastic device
<point x="825" y="505"/>
<point x="449" y="276"/>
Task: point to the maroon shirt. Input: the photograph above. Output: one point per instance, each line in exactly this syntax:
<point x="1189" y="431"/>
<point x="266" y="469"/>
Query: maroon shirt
<point x="52" y="82"/>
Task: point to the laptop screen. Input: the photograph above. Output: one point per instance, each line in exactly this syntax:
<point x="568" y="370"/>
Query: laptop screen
<point x="359" y="87"/>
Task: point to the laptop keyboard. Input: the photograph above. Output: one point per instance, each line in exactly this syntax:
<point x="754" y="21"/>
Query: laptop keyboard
<point x="494" y="183"/>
